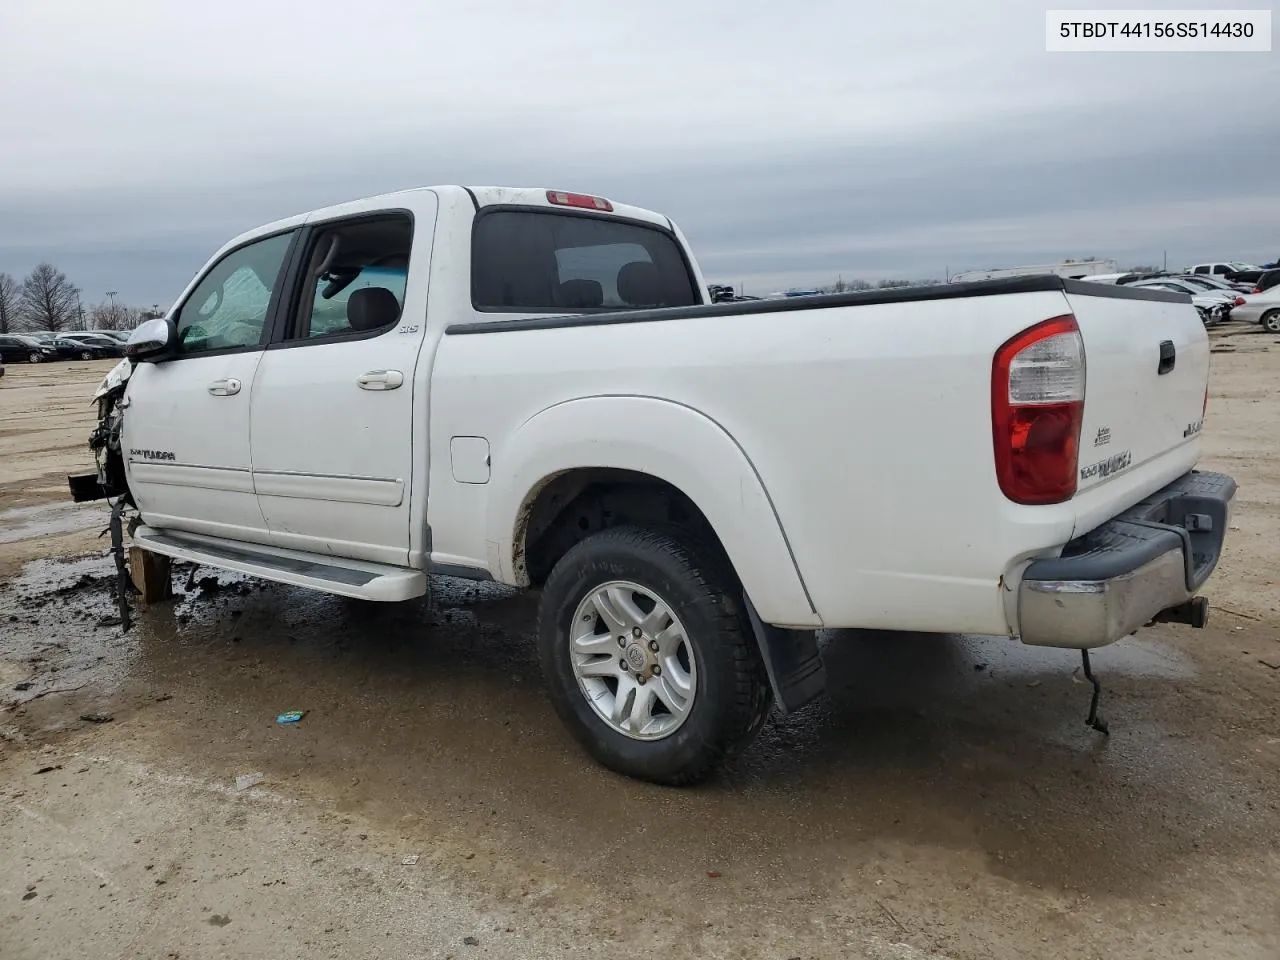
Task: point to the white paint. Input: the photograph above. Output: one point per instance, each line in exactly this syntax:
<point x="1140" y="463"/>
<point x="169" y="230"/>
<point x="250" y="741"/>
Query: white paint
<point x="843" y="455"/>
<point x="172" y="411"/>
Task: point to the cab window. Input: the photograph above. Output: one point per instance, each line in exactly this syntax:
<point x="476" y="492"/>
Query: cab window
<point x="525" y="261"/>
<point x="354" y="280"/>
<point x="229" y="306"/>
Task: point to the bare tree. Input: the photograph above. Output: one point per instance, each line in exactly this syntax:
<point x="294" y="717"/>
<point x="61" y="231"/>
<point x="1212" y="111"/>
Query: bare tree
<point x="9" y="295"/>
<point x="115" y="316"/>
<point x="49" y="301"/>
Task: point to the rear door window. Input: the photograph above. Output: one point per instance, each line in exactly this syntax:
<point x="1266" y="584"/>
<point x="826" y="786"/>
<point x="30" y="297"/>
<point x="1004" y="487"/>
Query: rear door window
<point x="528" y="261"/>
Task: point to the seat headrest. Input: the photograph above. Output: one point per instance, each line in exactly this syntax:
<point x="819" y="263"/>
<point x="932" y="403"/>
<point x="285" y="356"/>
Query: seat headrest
<point x="372" y="307"/>
<point x="640" y="284"/>
<point x="581" y="293"/>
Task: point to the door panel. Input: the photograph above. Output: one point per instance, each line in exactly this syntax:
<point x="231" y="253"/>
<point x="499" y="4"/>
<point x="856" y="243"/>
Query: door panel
<point x="333" y="403"/>
<point x="186" y="423"/>
<point x="187" y="449"/>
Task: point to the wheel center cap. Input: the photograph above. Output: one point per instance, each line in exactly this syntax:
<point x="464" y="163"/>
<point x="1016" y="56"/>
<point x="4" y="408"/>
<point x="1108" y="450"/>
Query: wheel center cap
<point x="636" y="657"/>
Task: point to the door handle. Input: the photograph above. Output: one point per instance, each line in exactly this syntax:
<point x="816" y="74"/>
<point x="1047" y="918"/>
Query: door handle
<point x="380" y="380"/>
<point x="1168" y="357"/>
<point x="225" y="388"/>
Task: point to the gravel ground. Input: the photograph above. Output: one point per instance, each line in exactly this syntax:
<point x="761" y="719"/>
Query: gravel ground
<point x="945" y="800"/>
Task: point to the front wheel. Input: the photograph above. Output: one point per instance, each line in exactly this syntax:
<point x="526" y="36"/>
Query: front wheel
<point x="648" y="654"/>
<point x="86" y="355"/>
<point x="33" y="357"/>
<point x="1271" y="321"/>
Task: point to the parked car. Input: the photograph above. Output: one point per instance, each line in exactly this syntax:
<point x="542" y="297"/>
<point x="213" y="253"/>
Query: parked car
<point x="547" y="398"/>
<point x="95" y="345"/>
<point x="1267" y="280"/>
<point x="1229" y="270"/>
<point x="1126" y="277"/>
<point x="77" y="349"/>
<point x="1263" y="308"/>
<point x="121" y="335"/>
<point x="20" y="348"/>
<point x="1214" y="305"/>
<point x="1209" y="282"/>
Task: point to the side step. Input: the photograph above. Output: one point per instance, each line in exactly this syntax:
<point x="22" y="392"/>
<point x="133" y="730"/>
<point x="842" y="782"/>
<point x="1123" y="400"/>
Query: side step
<point x="347" y="578"/>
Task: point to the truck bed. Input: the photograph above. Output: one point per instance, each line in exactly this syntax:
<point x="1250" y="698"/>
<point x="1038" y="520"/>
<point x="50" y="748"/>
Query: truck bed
<point x="867" y="417"/>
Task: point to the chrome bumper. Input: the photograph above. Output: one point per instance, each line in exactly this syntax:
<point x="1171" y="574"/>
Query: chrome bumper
<point x="1126" y="573"/>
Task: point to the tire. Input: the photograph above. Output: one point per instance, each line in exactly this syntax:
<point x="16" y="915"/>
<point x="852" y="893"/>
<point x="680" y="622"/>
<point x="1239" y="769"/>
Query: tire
<point x="714" y="656"/>
<point x="86" y="355"/>
<point x="1271" y="321"/>
<point x="34" y="357"/>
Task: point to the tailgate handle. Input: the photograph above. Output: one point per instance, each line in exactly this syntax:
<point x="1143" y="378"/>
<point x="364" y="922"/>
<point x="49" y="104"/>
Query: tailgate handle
<point x="1168" y="357"/>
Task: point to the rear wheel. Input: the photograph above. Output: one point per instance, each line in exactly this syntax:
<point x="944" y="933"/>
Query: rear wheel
<point x="648" y="655"/>
<point x="86" y="355"/>
<point x="1271" y="321"/>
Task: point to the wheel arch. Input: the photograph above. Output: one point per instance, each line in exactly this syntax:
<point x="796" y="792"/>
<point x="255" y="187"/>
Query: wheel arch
<point x="671" y="448"/>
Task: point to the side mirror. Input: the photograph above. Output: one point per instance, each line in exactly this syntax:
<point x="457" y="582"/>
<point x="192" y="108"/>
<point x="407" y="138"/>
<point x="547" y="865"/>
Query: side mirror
<point x="152" y="340"/>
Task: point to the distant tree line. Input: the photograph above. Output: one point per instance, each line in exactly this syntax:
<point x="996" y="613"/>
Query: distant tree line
<point x="841" y="285"/>
<point x="45" y="299"/>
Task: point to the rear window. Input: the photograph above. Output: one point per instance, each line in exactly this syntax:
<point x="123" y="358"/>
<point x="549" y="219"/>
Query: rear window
<point x="529" y="261"/>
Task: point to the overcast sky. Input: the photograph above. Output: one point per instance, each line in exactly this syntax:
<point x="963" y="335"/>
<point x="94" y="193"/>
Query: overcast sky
<point x="792" y="141"/>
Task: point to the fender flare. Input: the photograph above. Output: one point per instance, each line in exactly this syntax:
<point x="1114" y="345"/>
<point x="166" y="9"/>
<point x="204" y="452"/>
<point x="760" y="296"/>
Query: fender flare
<point x="674" y="443"/>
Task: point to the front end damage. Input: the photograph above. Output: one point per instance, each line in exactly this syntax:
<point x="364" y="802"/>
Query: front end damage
<point x="110" y="482"/>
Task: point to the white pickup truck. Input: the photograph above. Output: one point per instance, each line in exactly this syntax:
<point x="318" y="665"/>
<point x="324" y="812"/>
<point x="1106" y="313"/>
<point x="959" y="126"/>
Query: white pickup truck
<point x="530" y="386"/>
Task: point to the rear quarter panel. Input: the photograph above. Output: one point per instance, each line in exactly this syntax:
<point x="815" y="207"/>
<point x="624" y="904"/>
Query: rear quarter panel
<point x="869" y="426"/>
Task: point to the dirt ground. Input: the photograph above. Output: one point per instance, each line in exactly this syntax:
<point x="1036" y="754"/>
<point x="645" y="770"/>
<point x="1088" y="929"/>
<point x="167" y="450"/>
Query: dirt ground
<point x="945" y="800"/>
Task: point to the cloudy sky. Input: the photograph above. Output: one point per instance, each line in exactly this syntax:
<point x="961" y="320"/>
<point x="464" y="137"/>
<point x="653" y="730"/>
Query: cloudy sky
<point x="792" y="141"/>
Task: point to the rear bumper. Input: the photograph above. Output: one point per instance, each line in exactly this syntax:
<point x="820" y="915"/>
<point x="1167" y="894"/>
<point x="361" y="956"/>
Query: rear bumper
<point x="1122" y="575"/>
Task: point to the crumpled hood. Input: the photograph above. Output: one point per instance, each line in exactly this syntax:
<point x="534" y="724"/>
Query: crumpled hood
<point x="116" y="378"/>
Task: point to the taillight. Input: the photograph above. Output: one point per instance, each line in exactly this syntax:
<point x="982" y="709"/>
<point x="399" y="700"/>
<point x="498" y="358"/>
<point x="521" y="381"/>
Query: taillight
<point x="1240" y="301"/>
<point x="1037" y="405"/>
<point x="562" y="199"/>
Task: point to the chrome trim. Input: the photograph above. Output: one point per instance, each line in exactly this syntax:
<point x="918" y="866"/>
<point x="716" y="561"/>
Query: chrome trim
<point x="1080" y="614"/>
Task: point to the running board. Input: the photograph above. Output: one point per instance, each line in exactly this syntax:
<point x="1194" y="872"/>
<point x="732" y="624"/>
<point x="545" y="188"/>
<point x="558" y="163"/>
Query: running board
<point x="347" y="578"/>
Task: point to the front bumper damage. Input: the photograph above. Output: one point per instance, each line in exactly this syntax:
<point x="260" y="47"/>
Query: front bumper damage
<point x="1143" y="565"/>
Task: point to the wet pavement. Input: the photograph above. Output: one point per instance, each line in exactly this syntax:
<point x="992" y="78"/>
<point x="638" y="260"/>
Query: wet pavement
<point x="48" y="519"/>
<point x="944" y="799"/>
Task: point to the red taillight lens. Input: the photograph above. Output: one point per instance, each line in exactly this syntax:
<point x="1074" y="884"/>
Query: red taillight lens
<point x="1037" y="406"/>
<point x="1240" y="301"/>
<point x="562" y="199"/>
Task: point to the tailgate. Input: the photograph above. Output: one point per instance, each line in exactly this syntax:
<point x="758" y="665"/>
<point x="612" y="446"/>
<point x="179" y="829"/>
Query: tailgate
<point x="1146" y="370"/>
